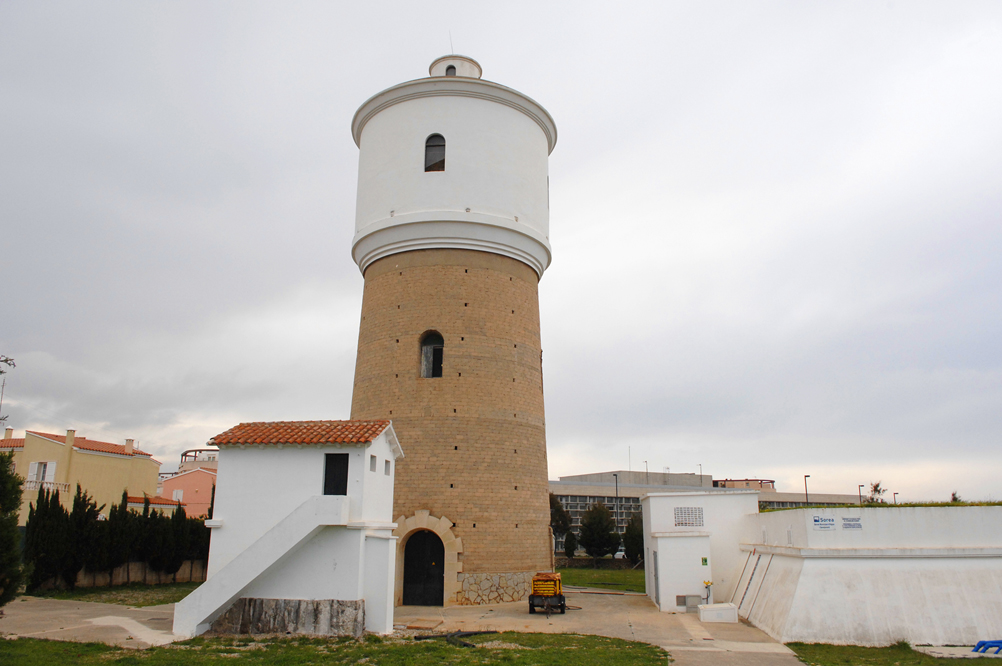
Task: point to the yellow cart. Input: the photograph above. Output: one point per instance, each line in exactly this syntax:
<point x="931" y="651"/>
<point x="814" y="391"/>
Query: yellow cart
<point x="547" y="594"/>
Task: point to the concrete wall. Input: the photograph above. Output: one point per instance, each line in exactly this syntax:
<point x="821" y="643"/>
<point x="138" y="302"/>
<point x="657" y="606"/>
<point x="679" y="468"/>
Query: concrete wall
<point x="926" y="575"/>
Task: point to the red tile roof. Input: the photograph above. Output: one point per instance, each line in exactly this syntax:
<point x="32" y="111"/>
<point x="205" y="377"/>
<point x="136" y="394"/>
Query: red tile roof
<point x="90" y="444"/>
<point x="301" y="432"/>
<point x="154" y="501"/>
<point x="12" y="443"/>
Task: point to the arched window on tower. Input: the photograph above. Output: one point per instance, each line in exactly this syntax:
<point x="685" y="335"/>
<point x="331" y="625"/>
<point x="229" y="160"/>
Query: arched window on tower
<point x="450" y="70"/>
<point x="432" y="349"/>
<point x="434" y="153"/>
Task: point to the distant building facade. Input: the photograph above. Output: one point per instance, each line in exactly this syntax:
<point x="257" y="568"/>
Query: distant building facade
<point x="193" y="482"/>
<point x="193" y="487"/>
<point x="60" y="462"/>
<point x="579" y="492"/>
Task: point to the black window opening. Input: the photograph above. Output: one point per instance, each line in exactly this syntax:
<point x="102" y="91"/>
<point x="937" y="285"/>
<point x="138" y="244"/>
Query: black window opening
<point x="336" y="474"/>
<point x="450" y="70"/>
<point x="434" y="153"/>
<point x="432" y="353"/>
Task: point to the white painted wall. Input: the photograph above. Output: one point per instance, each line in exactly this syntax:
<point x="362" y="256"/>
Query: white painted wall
<point x="276" y="536"/>
<point x="926" y="575"/>
<point x="497" y="147"/>
<point x="680" y="569"/>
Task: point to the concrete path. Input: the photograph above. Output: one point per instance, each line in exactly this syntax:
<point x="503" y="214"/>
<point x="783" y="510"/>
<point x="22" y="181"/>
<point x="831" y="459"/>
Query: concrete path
<point x="629" y="616"/>
<point x="83" y="621"/>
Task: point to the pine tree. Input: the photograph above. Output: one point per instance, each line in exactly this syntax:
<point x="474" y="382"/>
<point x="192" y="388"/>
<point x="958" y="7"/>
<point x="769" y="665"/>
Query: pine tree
<point x="633" y="539"/>
<point x="598" y="531"/>
<point x="11" y="574"/>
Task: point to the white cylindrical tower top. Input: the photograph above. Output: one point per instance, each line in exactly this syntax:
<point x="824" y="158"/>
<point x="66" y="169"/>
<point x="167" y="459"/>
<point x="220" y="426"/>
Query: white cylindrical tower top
<point x="456" y="65"/>
<point x="453" y="161"/>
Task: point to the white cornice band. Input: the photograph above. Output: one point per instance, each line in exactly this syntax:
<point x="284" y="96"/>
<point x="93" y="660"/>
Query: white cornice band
<point x="451" y="230"/>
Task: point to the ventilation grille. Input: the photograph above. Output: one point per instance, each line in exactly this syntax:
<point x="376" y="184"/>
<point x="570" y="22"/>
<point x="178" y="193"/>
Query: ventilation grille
<point x="688" y="516"/>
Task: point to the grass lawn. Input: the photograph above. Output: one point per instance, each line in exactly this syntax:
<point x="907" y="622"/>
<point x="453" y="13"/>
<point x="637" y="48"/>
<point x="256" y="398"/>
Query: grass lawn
<point x="816" y="654"/>
<point x="136" y="594"/>
<point x="506" y="648"/>
<point x="624" y="580"/>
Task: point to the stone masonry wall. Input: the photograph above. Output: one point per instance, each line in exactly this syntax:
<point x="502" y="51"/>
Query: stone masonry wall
<point x="317" y="617"/>
<point x="473" y="440"/>
<point x="479" y="589"/>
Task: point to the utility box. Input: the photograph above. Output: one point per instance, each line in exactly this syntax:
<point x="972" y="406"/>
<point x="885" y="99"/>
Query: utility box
<point x="718" y="613"/>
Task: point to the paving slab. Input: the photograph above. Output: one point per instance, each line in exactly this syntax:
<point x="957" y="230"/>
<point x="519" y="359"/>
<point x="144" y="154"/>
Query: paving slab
<point x="83" y="621"/>
<point x="628" y="616"/>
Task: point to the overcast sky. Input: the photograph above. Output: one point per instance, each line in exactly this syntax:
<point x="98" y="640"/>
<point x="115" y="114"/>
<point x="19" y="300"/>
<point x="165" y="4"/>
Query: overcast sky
<point x="776" y="227"/>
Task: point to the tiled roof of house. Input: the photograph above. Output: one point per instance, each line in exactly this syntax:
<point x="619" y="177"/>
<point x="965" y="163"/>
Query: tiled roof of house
<point x="154" y="501"/>
<point x="11" y="444"/>
<point x="301" y="432"/>
<point x="91" y="445"/>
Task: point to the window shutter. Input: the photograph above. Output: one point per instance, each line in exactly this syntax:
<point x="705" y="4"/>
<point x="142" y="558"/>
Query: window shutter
<point x="50" y="471"/>
<point x="32" y="470"/>
<point x="178" y="494"/>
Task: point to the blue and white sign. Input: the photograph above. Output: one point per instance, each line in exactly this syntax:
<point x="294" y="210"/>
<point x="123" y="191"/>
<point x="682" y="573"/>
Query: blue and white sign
<point x="852" y="523"/>
<point x="824" y="523"/>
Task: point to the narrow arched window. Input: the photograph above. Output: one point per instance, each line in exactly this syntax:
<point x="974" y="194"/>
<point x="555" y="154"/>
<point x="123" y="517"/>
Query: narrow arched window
<point x="432" y="349"/>
<point x="450" y="70"/>
<point x="434" y="153"/>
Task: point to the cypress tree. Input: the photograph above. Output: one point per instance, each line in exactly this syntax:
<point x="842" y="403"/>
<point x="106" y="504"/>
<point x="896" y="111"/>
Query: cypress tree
<point x="11" y="574"/>
<point x="81" y="536"/>
<point x="120" y="540"/>
<point x="560" y="520"/>
<point x="633" y="539"/>
<point x="46" y="538"/>
<point x="178" y="546"/>
<point x="570" y="544"/>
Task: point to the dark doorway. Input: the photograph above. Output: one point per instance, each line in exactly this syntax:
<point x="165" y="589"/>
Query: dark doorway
<point x="424" y="570"/>
<point x="336" y="474"/>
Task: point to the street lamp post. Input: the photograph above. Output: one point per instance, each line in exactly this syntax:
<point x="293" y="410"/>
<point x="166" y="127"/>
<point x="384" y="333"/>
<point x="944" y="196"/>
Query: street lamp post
<point x="617" y="502"/>
<point x="895" y="498"/>
<point x="807" y="498"/>
<point x="647" y="474"/>
<point x="861" y="486"/>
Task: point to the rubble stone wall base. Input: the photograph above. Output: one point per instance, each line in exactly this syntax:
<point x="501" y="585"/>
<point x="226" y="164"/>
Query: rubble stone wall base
<point x="318" y="617"/>
<point x="493" y="588"/>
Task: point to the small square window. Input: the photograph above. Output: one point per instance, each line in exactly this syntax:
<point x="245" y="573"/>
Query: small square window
<point x="386" y="467"/>
<point x="372" y="463"/>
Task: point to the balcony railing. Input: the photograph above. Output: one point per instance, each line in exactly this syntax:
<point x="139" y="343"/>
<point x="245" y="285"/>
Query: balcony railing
<point x="47" y="485"/>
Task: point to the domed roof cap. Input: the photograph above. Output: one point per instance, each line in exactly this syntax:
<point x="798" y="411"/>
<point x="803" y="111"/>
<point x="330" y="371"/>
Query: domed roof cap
<point x="462" y="66"/>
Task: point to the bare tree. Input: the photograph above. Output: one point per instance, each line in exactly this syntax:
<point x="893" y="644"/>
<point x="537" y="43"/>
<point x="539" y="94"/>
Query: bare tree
<point x="876" y="493"/>
<point x="4" y="360"/>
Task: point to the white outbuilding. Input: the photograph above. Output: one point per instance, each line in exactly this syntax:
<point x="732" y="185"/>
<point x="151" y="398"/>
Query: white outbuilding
<point x="302" y="531"/>
<point x="844" y="575"/>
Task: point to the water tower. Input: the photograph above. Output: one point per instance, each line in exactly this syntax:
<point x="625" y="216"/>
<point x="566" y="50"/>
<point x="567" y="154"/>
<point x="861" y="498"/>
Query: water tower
<point x="452" y="236"/>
